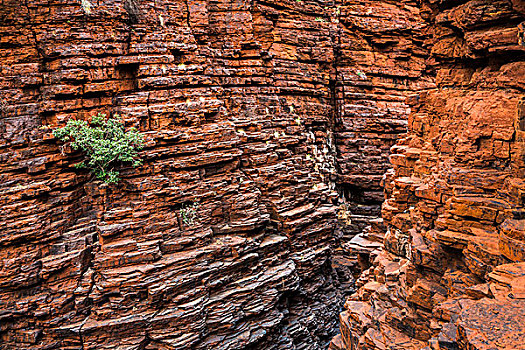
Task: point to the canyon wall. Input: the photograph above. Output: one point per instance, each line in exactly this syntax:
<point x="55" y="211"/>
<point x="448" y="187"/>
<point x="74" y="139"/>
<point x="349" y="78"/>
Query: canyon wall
<point x="276" y="117"/>
<point x="451" y="271"/>
<point x="381" y="59"/>
<point x="234" y="100"/>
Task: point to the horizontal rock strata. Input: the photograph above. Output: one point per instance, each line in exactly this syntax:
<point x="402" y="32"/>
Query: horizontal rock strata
<point x="449" y="273"/>
<point x="275" y="116"/>
<point x="232" y="97"/>
<point x="380" y="60"/>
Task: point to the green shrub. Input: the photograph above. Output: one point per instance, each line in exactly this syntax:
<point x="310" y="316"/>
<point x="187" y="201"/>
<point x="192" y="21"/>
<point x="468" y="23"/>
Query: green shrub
<point x="105" y="144"/>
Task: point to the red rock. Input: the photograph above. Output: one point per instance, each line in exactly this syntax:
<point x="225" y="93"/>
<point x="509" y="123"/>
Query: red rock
<point x="508" y="281"/>
<point x="492" y="324"/>
<point x="454" y="199"/>
<point x="275" y="116"/>
<point x="512" y="239"/>
<point x="226" y="124"/>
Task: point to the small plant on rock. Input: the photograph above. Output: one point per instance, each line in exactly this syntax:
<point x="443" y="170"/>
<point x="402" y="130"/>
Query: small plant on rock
<point x="188" y="213"/>
<point x="86" y="6"/>
<point x="105" y="144"/>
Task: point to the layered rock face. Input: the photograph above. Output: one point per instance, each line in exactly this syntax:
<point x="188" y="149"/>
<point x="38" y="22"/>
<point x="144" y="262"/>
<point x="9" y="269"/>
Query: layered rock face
<point x="451" y="271"/>
<point x="234" y="100"/>
<point x="277" y="118"/>
<point x="381" y="59"/>
<point x="247" y="108"/>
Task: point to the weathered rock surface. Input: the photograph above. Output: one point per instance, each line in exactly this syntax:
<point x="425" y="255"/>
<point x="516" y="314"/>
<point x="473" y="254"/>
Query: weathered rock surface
<point x="277" y="117"/>
<point x="247" y="107"/>
<point x="232" y="97"/>
<point x="450" y="271"/>
<point x="380" y="60"/>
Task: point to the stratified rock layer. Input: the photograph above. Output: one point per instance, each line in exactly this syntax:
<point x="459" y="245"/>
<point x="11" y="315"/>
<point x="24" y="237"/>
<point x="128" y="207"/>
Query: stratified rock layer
<point x="232" y="97"/>
<point x="247" y="108"/>
<point x="277" y="118"/>
<point x="380" y="60"/>
<point x="450" y="273"/>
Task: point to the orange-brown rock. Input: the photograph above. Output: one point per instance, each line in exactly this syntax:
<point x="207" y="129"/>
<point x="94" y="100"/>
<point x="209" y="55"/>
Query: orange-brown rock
<point x="280" y="118"/>
<point x="236" y="102"/>
<point x="275" y="116"/>
<point x="454" y="207"/>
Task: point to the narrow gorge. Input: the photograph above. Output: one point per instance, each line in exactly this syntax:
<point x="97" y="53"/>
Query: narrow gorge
<point x="317" y="174"/>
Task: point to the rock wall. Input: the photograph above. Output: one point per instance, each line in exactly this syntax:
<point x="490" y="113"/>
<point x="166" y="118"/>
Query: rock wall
<point x="276" y="117"/>
<point x="450" y="273"/>
<point x="234" y="100"/>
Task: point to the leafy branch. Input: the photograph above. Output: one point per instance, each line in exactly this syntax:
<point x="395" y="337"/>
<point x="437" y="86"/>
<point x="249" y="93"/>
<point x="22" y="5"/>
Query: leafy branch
<point x="105" y="144"/>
